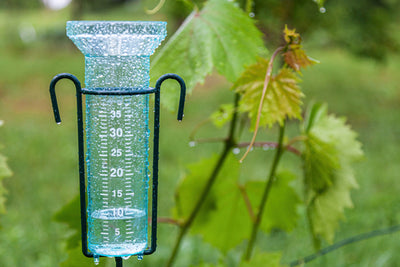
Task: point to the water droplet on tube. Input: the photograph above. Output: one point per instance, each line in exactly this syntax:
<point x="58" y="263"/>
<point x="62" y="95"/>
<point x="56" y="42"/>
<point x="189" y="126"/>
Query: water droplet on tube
<point x="96" y="259"/>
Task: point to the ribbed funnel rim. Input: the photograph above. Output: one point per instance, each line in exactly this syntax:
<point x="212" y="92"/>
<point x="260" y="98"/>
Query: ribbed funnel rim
<point x="116" y="38"/>
<point x="84" y="27"/>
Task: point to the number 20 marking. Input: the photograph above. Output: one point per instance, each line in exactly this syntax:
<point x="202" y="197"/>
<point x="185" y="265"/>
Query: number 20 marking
<point x="116" y="172"/>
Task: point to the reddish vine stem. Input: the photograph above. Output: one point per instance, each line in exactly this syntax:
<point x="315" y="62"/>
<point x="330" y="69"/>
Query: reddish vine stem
<point x="268" y="75"/>
<point x="270" y="144"/>
<point x="210" y="140"/>
<point x="246" y="199"/>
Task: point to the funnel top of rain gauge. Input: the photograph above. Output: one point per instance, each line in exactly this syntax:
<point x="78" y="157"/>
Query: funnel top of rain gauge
<point x="117" y="38"/>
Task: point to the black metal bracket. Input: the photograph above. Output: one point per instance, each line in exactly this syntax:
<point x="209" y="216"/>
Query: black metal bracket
<point x="82" y="181"/>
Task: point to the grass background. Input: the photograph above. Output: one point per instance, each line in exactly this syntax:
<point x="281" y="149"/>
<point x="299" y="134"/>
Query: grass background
<point x="43" y="155"/>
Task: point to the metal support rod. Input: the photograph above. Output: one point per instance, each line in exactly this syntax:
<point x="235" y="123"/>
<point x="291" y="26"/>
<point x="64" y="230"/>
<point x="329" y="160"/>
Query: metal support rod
<point x="81" y="153"/>
<point x="82" y="181"/>
<point x="118" y="262"/>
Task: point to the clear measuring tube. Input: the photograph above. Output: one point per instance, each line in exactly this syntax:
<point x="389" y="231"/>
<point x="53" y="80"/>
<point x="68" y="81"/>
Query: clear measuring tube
<point x="117" y="57"/>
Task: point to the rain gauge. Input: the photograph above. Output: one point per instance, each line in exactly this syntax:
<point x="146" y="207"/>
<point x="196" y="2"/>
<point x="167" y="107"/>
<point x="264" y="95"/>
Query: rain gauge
<point x="116" y="137"/>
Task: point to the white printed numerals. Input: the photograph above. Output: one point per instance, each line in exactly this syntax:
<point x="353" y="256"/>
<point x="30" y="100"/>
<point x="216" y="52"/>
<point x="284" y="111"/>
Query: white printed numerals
<point x="118" y="212"/>
<point x="117" y="193"/>
<point x="116" y="132"/>
<point x="116" y="172"/>
<point x="115" y="114"/>
<point x="117" y="231"/>
<point x="116" y="152"/>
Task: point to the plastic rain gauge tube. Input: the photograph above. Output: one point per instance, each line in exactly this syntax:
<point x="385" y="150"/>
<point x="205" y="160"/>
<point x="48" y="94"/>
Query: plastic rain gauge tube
<point x="117" y="57"/>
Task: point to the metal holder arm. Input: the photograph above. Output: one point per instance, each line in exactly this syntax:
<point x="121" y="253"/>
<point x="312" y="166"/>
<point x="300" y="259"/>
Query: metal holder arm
<point x="82" y="182"/>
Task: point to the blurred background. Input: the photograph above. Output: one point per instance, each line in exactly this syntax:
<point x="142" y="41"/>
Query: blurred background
<point x="357" y="43"/>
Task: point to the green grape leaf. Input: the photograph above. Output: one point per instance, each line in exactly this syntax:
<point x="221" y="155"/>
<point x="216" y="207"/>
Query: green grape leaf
<point x="77" y="259"/>
<point x="281" y="208"/>
<point x="282" y="99"/>
<point x="219" y="36"/>
<point x="330" y="149"/>
<point x="4" y="169"/>
<point x="222" y="115"/>
<point x="192" y="184"/>
<point x="320" y="164"/>
<point x="70" y="214"/>
<point x="4" y="172"/>
<point x="215" y="227"/>
<point x="229" y="223"/>
<point x="270" y="259"/>
<point x="225" y="221"/>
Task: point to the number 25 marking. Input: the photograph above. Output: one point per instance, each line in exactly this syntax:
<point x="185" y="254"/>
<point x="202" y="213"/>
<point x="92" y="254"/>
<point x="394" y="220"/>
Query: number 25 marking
<point x="116" y="152"/>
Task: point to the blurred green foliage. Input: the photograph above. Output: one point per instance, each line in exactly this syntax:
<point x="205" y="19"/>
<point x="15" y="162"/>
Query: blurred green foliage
<point x="363" y="27"/>
<point x="18" y="4"/>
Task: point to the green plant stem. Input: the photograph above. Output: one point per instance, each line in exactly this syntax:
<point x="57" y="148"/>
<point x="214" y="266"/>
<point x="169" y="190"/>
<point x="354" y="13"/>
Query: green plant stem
<point x="263" y="202"/>
<point x="249" y="6"/>
<point x="345" y="242"/>
<point x="228" y="145"/>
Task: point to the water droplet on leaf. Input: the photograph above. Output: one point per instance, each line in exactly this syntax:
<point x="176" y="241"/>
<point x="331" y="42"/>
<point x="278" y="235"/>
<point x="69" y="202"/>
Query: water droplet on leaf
<point x="236" y="150"/>
<point x="322" y="10"/>
<point x="192" y="143"/>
